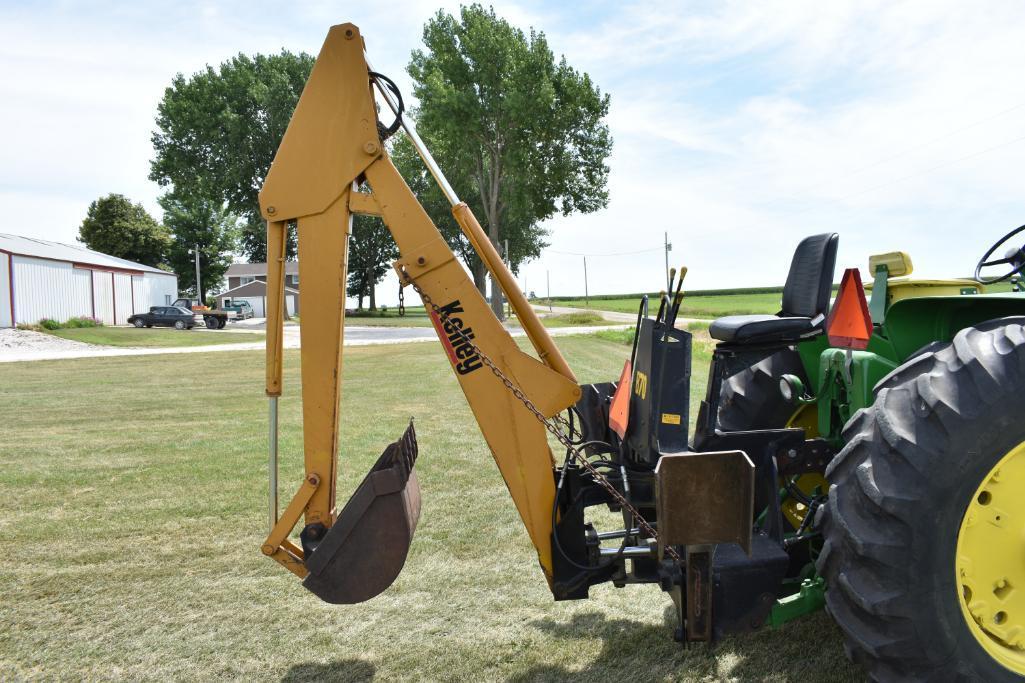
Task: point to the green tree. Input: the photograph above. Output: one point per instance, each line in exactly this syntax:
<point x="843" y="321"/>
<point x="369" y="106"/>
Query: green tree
<point x="522" y="135"/>
<point x="218" y="130"/>
<point x="420" y="181"/>
<point x="117" y="227"/>
<point x="371" y="251"/>
<point x="194" y="220"/>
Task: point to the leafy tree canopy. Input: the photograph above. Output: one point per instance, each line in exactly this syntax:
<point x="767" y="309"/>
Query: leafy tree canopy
<point x="371" y="251"/>
<point x="193" y="220"/>
<point x="218" y="130"/>
<point x="114" y="225"/>
<point x="520" y="135"/>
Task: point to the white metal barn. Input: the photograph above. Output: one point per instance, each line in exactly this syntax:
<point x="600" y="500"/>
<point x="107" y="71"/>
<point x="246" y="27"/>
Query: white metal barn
<point x="40" y="279"/>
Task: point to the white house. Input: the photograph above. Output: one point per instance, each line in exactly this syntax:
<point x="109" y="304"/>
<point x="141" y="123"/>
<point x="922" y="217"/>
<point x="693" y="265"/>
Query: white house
<point x="248" y="282"/>
<point x="40" y="279"/>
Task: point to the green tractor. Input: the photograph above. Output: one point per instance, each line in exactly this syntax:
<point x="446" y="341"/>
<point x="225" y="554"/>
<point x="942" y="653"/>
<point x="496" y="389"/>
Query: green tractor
<point x="914" y="532"/>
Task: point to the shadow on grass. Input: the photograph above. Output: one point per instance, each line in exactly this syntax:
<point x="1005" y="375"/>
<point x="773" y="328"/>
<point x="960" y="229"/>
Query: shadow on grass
<point x="642" y="651"/>
<point x="342" y="671"/>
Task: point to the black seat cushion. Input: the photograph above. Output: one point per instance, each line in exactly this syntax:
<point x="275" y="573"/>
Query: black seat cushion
<point x="761" y="328"/>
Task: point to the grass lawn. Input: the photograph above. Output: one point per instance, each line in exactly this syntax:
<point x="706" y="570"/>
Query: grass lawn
<point x="582" y="319"/>
<point x="711" y="306"/>
<point x="415" y="316"/>
<point x="154" y="337"/>
<point x="133" y="509"/>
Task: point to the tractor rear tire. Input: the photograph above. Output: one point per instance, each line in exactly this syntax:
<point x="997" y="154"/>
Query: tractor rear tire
<point x="914" y="462"/>
<point x="751" y="398"/>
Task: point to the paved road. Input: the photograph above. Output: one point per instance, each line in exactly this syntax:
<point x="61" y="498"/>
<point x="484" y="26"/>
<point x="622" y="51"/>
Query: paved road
<point x="354" y="336"/>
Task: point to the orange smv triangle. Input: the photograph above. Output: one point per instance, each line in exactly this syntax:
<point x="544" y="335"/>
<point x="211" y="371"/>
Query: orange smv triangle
<point x="619" y="410"/>
<point x="849" y="324"/>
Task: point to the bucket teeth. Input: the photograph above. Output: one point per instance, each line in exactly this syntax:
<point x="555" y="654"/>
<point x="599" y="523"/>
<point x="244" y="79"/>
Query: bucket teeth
<point x="365" y="549"/>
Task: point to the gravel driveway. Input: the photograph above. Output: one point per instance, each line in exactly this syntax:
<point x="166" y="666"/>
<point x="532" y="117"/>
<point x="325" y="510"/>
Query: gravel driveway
<point x="16" y="342"/>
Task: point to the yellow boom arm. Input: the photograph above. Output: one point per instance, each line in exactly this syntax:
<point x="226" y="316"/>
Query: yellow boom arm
<point x="331" y="147"/>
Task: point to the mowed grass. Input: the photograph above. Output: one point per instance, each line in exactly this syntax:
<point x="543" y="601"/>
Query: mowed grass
<point x="153" y="337"/>
<point x="133" y="499"/>
<point x="581" y="319"/>
<point x="416" y="316"/>
<point x="706" y="306"/>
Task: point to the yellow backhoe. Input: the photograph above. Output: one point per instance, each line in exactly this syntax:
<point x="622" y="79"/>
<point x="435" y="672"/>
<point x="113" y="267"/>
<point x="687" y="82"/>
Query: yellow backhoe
<point x="737" y="524"/>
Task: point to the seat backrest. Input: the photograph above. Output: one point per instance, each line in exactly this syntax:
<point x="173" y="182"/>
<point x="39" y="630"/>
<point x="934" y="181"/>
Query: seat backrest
<point x="810" y="280"/>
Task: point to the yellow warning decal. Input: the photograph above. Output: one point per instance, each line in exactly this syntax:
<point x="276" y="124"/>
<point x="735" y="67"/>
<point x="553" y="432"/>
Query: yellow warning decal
<point x="670" y="419"/>
<point x="641" y="384"/>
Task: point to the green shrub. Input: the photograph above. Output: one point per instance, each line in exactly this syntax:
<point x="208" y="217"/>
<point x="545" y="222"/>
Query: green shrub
<point x="48" y="324"/>
<point x="82" y="321"/>
<point x="581" y="318"/>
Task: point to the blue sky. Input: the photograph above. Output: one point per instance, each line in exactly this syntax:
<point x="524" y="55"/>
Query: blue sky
<point x="739" y="127"/>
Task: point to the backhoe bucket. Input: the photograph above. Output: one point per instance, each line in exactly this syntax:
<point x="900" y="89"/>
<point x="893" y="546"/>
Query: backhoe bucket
<point x="365" y="549"/>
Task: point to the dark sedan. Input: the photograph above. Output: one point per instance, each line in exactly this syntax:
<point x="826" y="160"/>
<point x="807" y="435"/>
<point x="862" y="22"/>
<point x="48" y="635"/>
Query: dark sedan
<point x="165" y="316"/>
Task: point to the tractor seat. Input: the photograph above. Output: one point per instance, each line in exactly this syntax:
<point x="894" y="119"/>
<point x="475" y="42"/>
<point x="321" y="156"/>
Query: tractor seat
<point x="805" y="299"/>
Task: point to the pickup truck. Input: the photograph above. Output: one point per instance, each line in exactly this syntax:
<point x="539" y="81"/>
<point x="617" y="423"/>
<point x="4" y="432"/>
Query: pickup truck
<point x="214" y="319"/>
<point x="242" y="308"/>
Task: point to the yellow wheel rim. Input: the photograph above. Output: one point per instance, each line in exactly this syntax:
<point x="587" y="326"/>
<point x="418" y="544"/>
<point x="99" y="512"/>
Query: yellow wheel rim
<point x="806" y="417"/>
<point x="991" y="562"/>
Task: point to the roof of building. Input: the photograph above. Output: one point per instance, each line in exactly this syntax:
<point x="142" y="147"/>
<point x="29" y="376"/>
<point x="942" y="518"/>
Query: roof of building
<point x="237" y="269"/>
<point x="58" y="251"/>
<point x="254" y="288"/>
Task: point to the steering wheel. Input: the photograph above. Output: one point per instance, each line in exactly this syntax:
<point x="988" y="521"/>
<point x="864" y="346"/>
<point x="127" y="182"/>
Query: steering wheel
<point x="1014" y="256"/>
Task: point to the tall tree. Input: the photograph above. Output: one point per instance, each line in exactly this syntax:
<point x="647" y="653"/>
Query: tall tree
<point x="434" y="202"/>
<point x="371" y="251"/>
<point x="116" y="226"/>
<point x="193" y="221"/>
<point x="527" y="131"/>
<point x="218" y="130"/>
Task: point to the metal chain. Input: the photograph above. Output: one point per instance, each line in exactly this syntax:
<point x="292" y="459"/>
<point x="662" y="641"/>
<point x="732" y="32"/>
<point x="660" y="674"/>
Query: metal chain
<point x="402" y="301"/>
<point x="552" y="425"/>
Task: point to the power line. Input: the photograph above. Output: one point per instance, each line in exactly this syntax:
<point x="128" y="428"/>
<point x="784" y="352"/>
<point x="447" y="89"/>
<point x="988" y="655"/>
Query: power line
<point x="925" y="171"/>
<point x="896" y="155"/>
<point x="611" y="253"/>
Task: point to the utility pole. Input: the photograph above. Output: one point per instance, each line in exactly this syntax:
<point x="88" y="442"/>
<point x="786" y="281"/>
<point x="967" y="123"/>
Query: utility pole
<point x="199" y="290"/>
<point x="668" y="249"/>
<point x="548" y="281"/>
<point x="508" y="264"/>
<point x="587" y="301"/>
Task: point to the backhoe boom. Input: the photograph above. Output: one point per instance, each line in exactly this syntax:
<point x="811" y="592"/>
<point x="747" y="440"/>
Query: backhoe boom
<point x="331" y="164"/>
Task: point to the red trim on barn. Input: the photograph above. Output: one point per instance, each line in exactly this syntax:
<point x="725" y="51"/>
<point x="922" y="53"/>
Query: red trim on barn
<point x="131" y="282"/>
<point x="10" y="285"/>
<point x="92" y="292"/>
<point x="113" y="295"/>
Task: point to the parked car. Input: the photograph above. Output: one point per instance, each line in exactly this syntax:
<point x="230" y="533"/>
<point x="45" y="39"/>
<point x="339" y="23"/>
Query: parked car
<point x="242" y="308"/>
<point x="165" y="316"/>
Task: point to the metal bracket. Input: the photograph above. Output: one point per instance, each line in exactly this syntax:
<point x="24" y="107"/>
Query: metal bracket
<point x="277" y="545"/>
<point x="363" y="203"/>
<point x="811" y="456"/>
<point x="423" y="259"/>
<point x="699" y="592"/>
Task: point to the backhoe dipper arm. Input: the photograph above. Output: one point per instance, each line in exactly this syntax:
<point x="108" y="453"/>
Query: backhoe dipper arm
<point x="331" y="144"/>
